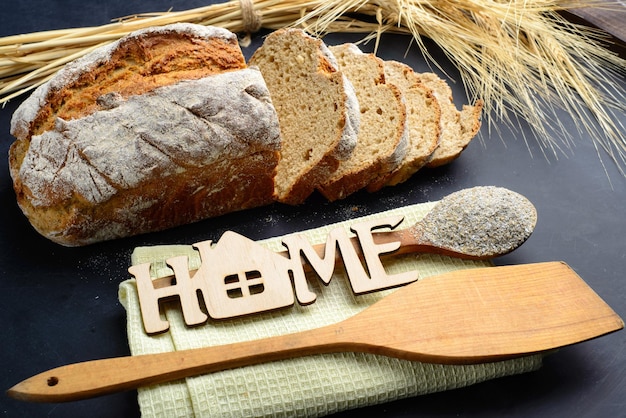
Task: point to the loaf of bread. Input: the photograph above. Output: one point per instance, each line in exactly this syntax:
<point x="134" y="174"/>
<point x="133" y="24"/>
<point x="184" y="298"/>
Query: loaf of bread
<point x="165" y="127"/>
<point x="382" y="139"/>
<point x="169" y="126"/>
<point x="317" y="109"/>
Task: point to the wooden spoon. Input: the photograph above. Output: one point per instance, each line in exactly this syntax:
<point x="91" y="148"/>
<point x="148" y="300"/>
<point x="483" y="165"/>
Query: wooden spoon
<point x="478" y="223"/>
<point x="466" y="316"/>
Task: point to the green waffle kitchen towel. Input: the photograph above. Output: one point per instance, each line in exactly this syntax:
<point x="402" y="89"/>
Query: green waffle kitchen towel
<point x="311" y="386"/>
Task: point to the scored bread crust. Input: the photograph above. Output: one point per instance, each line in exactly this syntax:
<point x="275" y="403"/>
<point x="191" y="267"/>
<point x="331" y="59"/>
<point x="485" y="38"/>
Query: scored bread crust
<point x="317" y="109"/>
<point x="382" y="140"/>
<point x="167" y="153"/>
<point x="139" y="62"/>
<point x="424" y="116"/>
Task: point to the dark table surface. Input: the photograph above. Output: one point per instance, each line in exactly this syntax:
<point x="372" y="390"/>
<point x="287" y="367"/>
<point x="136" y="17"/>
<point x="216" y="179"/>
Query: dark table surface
<point x="59" y="305"/>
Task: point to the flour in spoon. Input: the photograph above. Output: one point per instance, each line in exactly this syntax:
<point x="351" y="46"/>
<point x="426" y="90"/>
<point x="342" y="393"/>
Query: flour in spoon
<point x="480" y="221"/>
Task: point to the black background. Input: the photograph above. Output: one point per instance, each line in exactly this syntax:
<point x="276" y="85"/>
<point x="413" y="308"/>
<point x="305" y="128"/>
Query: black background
<point x="59" y="305"/>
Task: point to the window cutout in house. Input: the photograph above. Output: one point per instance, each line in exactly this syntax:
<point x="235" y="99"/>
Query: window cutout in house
<point x="234" y="293"/>
<point x="255" y="289"/>
<point x="252" y="285"/>
<point x="231" y="278"/>
<point x="255" y="283"/>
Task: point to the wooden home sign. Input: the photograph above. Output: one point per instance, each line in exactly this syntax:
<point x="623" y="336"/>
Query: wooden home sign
<point x="239" y="276"/>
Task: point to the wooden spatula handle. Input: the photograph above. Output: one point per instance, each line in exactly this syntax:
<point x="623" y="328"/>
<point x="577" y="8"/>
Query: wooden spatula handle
<point x="99" y="377"/>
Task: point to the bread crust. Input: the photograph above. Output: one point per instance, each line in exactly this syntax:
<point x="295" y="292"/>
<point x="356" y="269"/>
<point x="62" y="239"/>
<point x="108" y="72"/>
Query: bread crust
<point x="138" y="63"/>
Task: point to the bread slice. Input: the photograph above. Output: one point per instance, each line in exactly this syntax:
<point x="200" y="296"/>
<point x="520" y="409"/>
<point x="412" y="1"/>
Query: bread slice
<point x="317" y="109"/>
<point x="424" y="117"/>
<point x="382" y="140"/>
<point x="163" y="128"/>
<point x="458" y="128"/>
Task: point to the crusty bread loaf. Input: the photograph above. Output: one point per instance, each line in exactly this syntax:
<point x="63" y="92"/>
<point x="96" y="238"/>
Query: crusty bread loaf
<point x="382" y="139"/>
<point x="317" y="109"/>
<point x="169" y="126"/>
<point x="458" y="128"/>
<point x="116" y="144"/>
<point x="424" y="117"/>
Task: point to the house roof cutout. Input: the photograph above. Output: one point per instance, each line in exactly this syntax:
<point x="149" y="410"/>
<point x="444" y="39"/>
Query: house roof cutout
<point x="242" y="277"/>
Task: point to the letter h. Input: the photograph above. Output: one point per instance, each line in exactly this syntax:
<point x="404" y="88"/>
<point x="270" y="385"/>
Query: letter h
<point x="184" y="288"/>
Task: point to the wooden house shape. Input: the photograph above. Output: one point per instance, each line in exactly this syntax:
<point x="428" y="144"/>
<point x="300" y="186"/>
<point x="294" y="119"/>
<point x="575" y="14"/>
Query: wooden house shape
<point x="241" y="277"/>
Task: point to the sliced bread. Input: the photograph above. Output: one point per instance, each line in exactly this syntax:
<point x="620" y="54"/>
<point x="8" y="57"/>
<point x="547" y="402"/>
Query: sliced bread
<point x="382" y="140"/>
<point x="317" y="110"/>
<point x="423" y="113"/>
<point x="458" y="128"/>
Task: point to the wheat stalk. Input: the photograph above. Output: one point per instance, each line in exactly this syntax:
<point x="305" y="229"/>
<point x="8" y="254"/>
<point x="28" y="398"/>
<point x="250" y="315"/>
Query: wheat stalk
<point x="521" y="56"/>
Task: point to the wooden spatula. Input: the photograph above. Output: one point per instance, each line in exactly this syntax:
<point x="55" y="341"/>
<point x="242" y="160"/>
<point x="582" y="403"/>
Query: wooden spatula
<point x="466" y="316"/>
